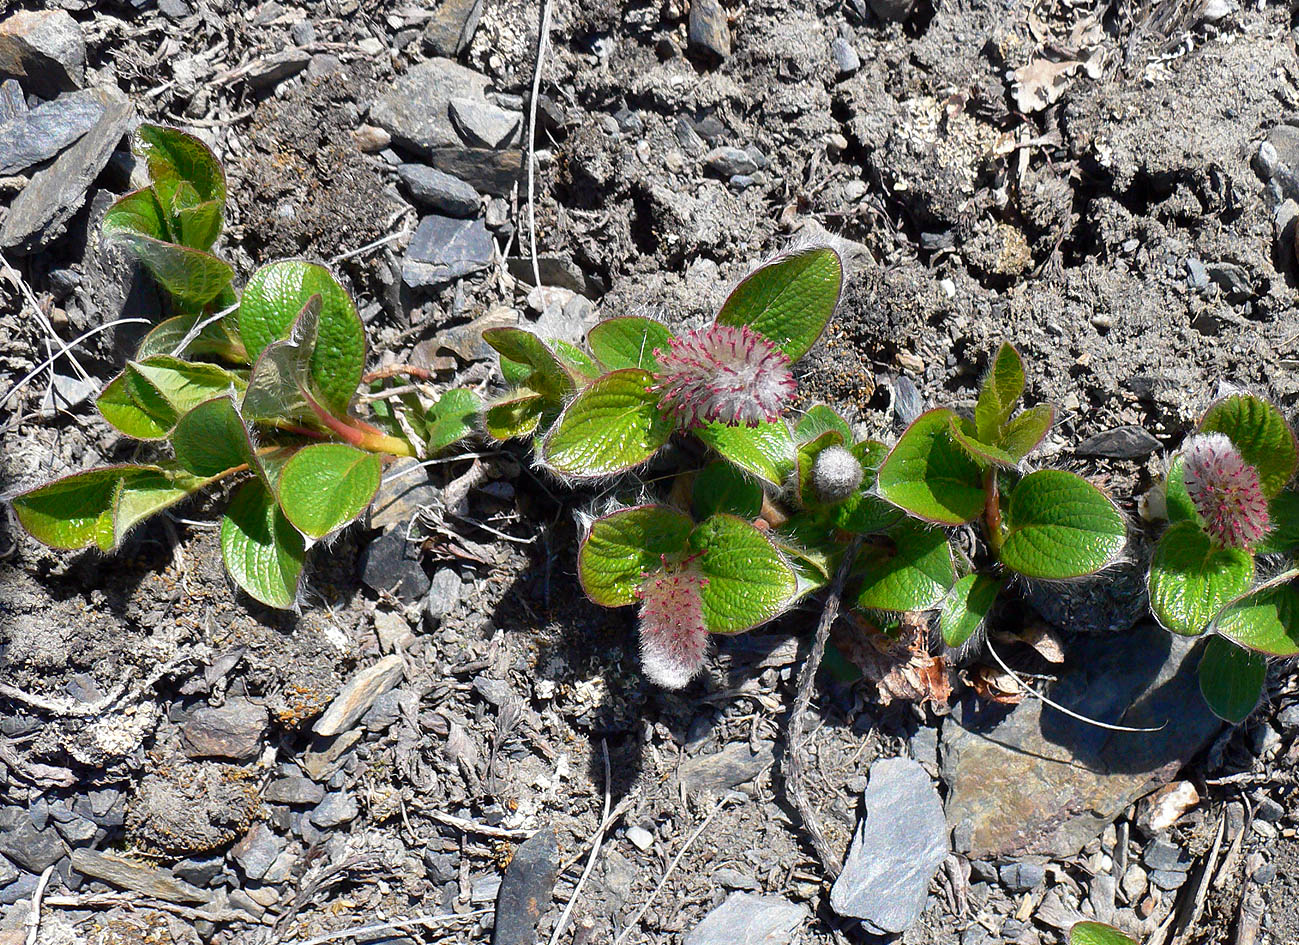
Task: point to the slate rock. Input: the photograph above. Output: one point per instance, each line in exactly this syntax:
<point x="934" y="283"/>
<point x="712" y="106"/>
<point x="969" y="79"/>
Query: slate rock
<point x="359" y="694"/>
<point x="1168" y="879"/>
<point x="443" y="593"/>
<point x="899" y="844"/>
<point x="746" y="919"/>
<point x="728" y="768"/>
<point x="27" y="846"/>
<point x="416" y="109"/>
<point x="199" y="871"/>
<point x="8" y="872"/>
<point x="65" y="392"/>
<point x="1023" y="876"/>
<point x="1197" y="275"/>
<point x="13" y="104"/>
<point x="556" y="271"/>
<point x="391" y="563"/>
<point x="384" y="713"/>
<point x="728" y="161"/>
<point x="294" y="790"/>
<point x="57" y="192"/>
<point x="40" y="133"/>
<point x="269" y="71"/>
<point x="846" y="59"/>
<point x="707" y="33"/>
<point x="1233" y="280"/>
<point x="1125" y="442"/>
<point x="233" y="730"/>
<point x="526" y="889"/>
<point x="257" y="851"/>
<point x="452" y="26"/>
<point x="1163" y="855"/>
<point x="440" y="192"/>
<point x="891" y="11"/>
<point x="45" y="49"/>
<point x="484" y="125"/>
<point x="485" y="170"/>
<point x="138" y="877"/>
<point x="1033" y="781"/>
<point x="444" y="249"/>
<point x="335" y="810"/>
<point x="19" y="890"/>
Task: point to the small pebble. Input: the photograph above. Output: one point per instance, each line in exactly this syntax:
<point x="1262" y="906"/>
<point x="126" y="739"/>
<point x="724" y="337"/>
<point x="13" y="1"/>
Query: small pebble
<point x="641" y="838"/>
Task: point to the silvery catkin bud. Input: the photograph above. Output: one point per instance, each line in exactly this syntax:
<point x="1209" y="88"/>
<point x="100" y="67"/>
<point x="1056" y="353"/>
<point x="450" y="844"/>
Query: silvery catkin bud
<point x="836" y="474"/>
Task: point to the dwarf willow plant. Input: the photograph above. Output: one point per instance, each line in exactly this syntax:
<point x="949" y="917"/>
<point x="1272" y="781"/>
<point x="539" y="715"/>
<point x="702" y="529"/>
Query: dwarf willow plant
<point x="1227" y="506"/>
<point x="769" y="500"/>
<point x="275" y="415"/>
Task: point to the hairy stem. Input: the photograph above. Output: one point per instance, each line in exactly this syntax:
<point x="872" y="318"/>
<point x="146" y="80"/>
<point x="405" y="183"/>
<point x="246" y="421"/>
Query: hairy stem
<point x="397" y="370"/>
<point x="992" y="511"/>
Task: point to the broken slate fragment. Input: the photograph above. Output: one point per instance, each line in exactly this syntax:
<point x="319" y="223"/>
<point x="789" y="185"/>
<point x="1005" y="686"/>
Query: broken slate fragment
<point x="57" y="192"/>
<point x="482" y="124"/>
<point x="1036" y="782"/>
<point x="435" y="190"/>
<point x="20" y="840"/>
<point x="358" y="695"/>
<point x="257" y="851"/>
<point x="37" y="135"/>
<point x="137" y="877"/>
<point x="452" y="26"/>
<point x="485" y="170"/>
<point x="728" y="768"/>
<point x="745" y="919"/>
<point x="12" y="102"/>
<point x="444" y="249"/>
<point x="1126" y="442"/>
<point x="899" y="844"/>
<point x="269" y="71"/>
<point x="233" y="730"/>
<point x="391" y="563"/>
<point x="416" y="110"/>
<point x="707" y="32"/>
<point x="45" y="49"/>
<point x="526" y="889"/>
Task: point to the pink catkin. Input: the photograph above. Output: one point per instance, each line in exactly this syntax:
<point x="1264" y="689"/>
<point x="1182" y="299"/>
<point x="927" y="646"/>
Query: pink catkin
<point x="673" y="641"/>
<point x="724" y="373"/>
<point x="1225" y="491"/>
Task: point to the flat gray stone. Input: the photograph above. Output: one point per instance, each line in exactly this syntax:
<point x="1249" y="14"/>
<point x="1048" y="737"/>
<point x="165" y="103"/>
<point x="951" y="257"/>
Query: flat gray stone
<point x="438" y="191"/>
<point x="57" y="192"/>
<point x="526" y="890"/>
<point x="444" y="249"/>
<point x="1126" y="442"/>
<point x="359" y="694"/>
<point x="727" y="161"/>
<point x="728" y="768"/>
<point x="443" y="593"/>
<point x="746" y="919"/>
<point x="484" y="125"/>
<point x="257" y="851"/>
<point x="452" y="26"/>
<point x="269" y="71"/>
<point x="899" y="844"/>
<point x="45" y="49"/>
<point x="335" y="810"/>
<point x="12" y="101"/>
<point x="1036" y="782"/>
<point x="294" y="790"/>
<point x="707" y="32"/>
<point x="233" y="730"/>
<point x="39" y="134"/>
<point x="416" y="109"/>
<point x="137" y="877"/>
<point x="485" y="170"/>
<point x="22" y="842"/>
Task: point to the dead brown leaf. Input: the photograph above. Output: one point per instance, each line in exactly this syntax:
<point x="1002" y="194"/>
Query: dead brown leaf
<point x="902" y="668"/>
<point x="1042" y="82"/>
<point x="994" y="685"/>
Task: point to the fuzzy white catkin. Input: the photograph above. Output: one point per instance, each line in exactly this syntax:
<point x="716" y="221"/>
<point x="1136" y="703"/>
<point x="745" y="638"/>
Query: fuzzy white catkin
<point x="836" y="474"/>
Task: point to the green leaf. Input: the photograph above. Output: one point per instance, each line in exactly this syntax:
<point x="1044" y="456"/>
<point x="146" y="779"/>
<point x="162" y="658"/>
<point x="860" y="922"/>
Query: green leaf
<point x="1096" y="933"/>
<point x="73" y="511"/>
<point x="817" y="420"/>
<point x="1283" y="511"/>
<point x="147" y="492"/>
<point x="985" y="454"/>
<point x="191" y="275"/>
<point x="1023" y="433"/>
<point x="1060" y="526"/>
<point x="766" y="450"/>
<point x="147" y="398"/>
<point x="625" y="546"/>
<point x="1177" y="500"/>
<point x="747" y="580"/>
<point x="1258" y="430"/>
<point x="174" y="155"/>
<point x="213" y="339"/>
<point x="326" y="485"/>
<point x="547" y="375"/>
<point x="120" y="409"/>
<point x="137" y="212"/>
<point x="451" y="419"/>
<point x="999" y="394"/>
<point x="967" y="606"/>
<point x="930" y="476"/>
<point x="1265" y="620"/>
<point x="721" y="487"/>
<point x="272" y="302"/>
<point x="788" y="301"/>
<point x="262" y="551"/>
<point x="628" y="341"/>
<point x="212" y="438"/>
<point x="1191" y="579"/>
<point x="200" y="225"/>
<point x="1231" y="679"/>
<point x="518" y="416"/>
<point x="913" y="573"/>
<point x="612" y="425"/>
<point x="277" y="385"/>
<point x="577" y="361"/>
<point x="866" y="513"/>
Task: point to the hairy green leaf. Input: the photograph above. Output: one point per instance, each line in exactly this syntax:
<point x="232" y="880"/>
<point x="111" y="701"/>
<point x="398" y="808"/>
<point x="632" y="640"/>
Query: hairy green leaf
<point x="747" y="580"/>
<point x="73" y="511"/>
<point x="174" y="155"/>
<point x="625" y="546"/>
<point x="1096" y="933"/>
<point x="928" y="475"/>
<point x="1026" y="430"/>
<point x="817" y="420"/>
<point x="967" y="606"/>
<point x="262" y="551"/>
<point x="149" y="396"/>
<point x="1000" y="392"/>
<point x="1258" y="430"/>
<point x="147" y="492"/>
<point x="914" y="571"/>
<point x="191" y="275"/>
<point x="1231" y="679"/>
<point x="721" y="487"/>
<point x="1265" y="620"/>
<point x="766" y="451"/>
<point x="1283" y="511"/>
<point x="546" y="375"/>
<point x="1191" y="579"/>
<point x="578" y="363"/>
<point x="213" y="438"/>
<point x="789" y="300"/>
<point x="452" y="418"/>
<point x="517" y="416"/>
<point x="985" y="454"/>
<point x="612" y="425"/>
<point x="326" y="485"/>
<point x="277" y="386"/>
<point x="628" y="341"/>
<point x="1058" y="526"/>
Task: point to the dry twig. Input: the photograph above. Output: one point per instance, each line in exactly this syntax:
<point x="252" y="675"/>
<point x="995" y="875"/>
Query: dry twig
<point x="543" y="39"/>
